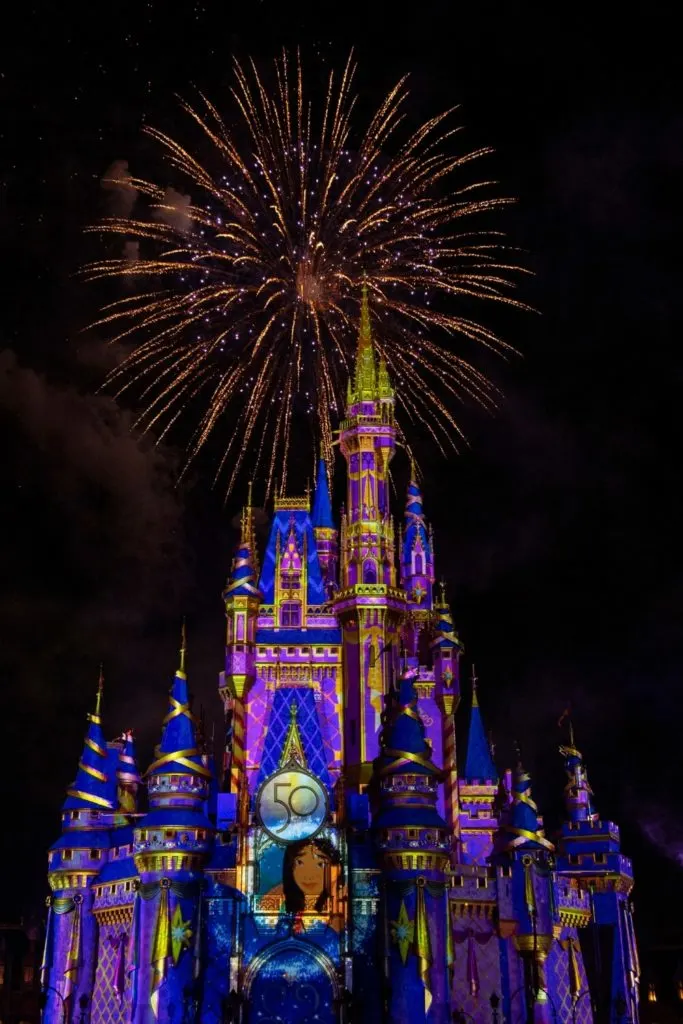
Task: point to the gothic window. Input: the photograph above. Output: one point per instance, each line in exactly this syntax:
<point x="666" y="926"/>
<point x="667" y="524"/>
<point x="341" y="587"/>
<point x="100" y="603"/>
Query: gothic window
<point x="291" y="613"/>
<point x="418" y="565"/>
<point x="369" y="572"/>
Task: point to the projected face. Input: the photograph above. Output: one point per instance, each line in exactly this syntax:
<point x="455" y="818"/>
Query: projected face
<point x="309" y="870"/>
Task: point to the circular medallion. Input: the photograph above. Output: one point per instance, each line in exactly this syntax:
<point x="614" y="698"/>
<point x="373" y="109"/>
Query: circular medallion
<point x="292" y="805"/>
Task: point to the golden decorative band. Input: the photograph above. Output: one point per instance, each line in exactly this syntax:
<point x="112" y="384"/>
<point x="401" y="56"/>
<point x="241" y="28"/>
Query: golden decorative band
<point x="181" y="757"/>
<point x="411" y="713"/>
<point x="91" y="799"/>
<point x="401" y="757"/>
<point x="95" y="746"/>
<point x="178" y="709"/>
<point x="100" y="776"/>
<point x="523" y="834"/>
<point x="94" y="718"/>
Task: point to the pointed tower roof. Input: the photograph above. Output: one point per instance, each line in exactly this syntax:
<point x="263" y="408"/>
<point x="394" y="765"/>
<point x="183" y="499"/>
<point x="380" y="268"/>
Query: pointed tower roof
<point x="415" y="525"/>
<point x="445" y="634"/>
<point x="92" y="787"/>
<point x="127" y="773"/>
<point x="365" y="376"/>
<point x="405" y="751"/>
<point x="178" y="753"/>
<point x="525" y="830"/>
<point x="478" y="762"/>
<point x="578" y="795"/>
<point x="244" y="571"/>
<point x="322" y="506"/>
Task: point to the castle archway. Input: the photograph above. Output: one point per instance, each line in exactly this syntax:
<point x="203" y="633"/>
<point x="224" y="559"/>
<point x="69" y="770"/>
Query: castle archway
<point x="291" y="983"/>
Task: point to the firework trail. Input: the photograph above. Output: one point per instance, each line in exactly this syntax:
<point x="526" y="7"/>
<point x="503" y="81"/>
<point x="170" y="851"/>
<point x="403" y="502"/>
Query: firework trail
<point x="246" y="297"/>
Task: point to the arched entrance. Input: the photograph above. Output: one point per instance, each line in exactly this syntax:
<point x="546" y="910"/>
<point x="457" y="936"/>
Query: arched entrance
<point x="291" y="983"/>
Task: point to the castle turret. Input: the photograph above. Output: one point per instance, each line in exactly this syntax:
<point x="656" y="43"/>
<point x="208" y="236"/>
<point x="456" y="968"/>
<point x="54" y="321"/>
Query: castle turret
<point x="589" y="850"/>
<point x="521" y="844"/>
<point x="127" y="775"/>
<point x="414" y="847"/>
<point x="324" y="529"/>
<point x="417" y="560"/>
<point x="478" y="788"/>
<point x="74" y="862"/>
<point x="242" y="598"/>
<point x="369" y="605"/>
<point x="171" y="844"/>
<point x="446" y="650"/>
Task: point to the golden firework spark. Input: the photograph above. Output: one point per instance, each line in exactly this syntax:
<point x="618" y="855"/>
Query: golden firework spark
<point x="247" y="296"/>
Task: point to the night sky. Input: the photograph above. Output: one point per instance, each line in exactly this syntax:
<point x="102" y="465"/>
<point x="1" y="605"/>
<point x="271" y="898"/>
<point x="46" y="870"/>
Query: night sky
<point x="558" y="528"/>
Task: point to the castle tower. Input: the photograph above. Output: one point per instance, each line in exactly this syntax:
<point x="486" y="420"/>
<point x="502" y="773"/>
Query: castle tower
<point x="369" y="605"/>
<point x="171" y="844"/>
<point x="74" y="862"/>
<point x="478" y="788"/>
<point x="590" y="850"/>
<point x="324" y="529"/>
<point x="446" y="651"/>
<point x="417" y="567"/>
<point x="127" y="775"/>
<point x="414" y="846"/>
<point x="242" y="598"/>
<point x="522" y="845"/>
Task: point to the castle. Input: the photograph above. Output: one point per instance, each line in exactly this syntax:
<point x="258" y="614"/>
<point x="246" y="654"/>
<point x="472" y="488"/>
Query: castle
<point x="344" y="863"/>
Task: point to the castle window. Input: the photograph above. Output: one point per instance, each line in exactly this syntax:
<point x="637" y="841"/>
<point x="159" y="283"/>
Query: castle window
<point x="291" y="613"/>
<point x="599" y="858"/>
<point x="418" y="565"/>
<point x="481" y="883"/>
<point x="68" y="854"/>
<point x="319" y="650"/>
<point x="169" y="834"/>
<point x="574" y="858"/>
<point x="94" y="855"/>
<point x="369" y="572"/>
<point x="28" y="975"/>
<point x="75" y="815"/>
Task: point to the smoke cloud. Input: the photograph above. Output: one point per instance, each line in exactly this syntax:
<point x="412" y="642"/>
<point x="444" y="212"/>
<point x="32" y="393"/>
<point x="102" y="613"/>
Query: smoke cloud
<point x="117" y="182"/>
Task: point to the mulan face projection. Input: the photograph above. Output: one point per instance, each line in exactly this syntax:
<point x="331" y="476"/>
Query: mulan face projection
<point x="307" y="872"/>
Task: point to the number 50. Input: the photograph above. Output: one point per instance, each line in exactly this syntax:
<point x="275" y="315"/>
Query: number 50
<point x="297" y="805"/>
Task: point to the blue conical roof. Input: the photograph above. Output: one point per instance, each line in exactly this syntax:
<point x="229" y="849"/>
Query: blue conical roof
<point x="242" y="581"/>
<point x="93" y="785"/>
<point x="322" y="507"/>
<point x="178" y="754"/>
<point x="478" y="762"/>
<point x="404" y="747"/>
<point x="524" y="825"/>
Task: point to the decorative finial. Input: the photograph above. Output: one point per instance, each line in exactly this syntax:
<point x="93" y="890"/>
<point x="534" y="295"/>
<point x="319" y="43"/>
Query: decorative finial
<point x="100" y="691"/>
<point x="249" y="494"/>
<point x="475" y="680"/>
<point x="307" y="492"/>
<point x="442" y="591"/>
<point x="183" y="646"/>
<point x="293" y="709"/>
<point x="413" y="475"/>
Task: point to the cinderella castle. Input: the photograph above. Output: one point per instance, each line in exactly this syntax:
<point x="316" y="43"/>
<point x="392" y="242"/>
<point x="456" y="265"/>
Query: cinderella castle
<point x="345" y="862"/>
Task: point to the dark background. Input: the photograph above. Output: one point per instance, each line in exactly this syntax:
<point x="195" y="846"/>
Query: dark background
<point x="558" y="529"/>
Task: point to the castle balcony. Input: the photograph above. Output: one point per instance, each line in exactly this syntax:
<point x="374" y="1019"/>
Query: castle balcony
<point x="573" y="903"/>
<point x="475" y="889"/>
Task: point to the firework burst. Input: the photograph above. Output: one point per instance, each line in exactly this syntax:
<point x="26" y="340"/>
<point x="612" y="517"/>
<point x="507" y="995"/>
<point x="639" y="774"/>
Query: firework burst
<point x="246" y="297"/>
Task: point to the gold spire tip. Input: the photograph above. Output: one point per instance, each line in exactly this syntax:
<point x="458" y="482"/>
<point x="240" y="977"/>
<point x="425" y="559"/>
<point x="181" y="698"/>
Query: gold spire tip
<point x="183" y="646"/>
<point x="475" y="684"/>
<point x="100" y="690"/>
<point x="249" y="494"/>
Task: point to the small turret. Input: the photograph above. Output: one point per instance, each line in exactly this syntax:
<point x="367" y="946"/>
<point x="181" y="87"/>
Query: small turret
<point x="417" y="563"/>
<point x="127" y="775"/>
<point x="414" y="846"/>
<point x="525" y="829"/>
<point x="94" y="784"/>
<point x="478" y="788"/>
<point x="578" y="794"/>
<point x="323" y="527"/>
<point x="171" y="844"/>
<point x="74" y="862"/>
<point x="242" y="598"/>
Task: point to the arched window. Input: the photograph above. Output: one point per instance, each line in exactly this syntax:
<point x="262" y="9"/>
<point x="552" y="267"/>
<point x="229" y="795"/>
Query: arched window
<point x="418" y="570"/>
<point x="369" y="572"/>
